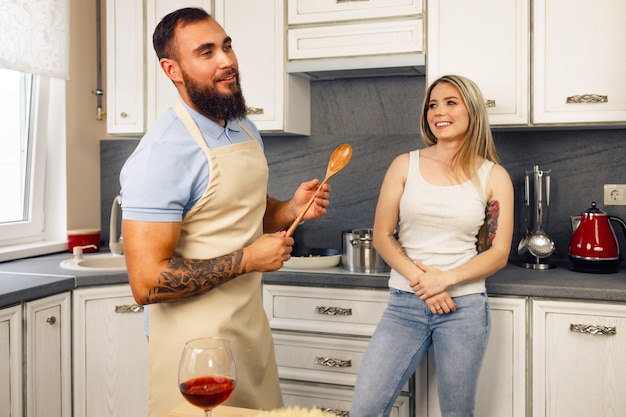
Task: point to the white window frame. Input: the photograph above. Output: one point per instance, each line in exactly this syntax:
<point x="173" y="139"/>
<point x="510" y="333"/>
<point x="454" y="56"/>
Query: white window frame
<point x="46" y="231"/>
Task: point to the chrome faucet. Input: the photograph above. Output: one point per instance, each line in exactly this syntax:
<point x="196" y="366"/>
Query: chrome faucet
<point x="115" y="245"/>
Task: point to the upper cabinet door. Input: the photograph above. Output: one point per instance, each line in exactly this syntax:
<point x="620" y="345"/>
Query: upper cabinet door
<point x="161" y="92"/>
<point x="125" y="67"/>
<point x="579" y="61"/>
<point x="316" y="11"/>
<point x="278" y="103"/>
<point x="487" y="41"/>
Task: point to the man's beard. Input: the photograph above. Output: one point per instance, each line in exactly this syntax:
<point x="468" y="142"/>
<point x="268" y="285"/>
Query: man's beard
<point x="213" y="104"/>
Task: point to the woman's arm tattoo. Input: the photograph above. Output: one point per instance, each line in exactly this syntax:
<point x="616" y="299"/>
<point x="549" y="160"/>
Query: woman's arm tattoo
<point x="487" y="232"/>
<point x="493" y="213"/>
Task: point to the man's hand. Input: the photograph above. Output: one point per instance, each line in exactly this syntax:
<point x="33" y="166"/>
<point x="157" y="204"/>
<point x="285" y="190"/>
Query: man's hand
<point x="304" y="193"/>
<point x="268" y="253"/>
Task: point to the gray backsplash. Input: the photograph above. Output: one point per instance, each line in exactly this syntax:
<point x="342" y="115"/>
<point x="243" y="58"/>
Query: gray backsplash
<point x="379" y="118"/>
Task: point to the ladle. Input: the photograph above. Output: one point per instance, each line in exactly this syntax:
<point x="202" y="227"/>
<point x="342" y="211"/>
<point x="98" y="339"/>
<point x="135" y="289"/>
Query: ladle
<point x="540" y="245"/>
<point x="338" y="160"/>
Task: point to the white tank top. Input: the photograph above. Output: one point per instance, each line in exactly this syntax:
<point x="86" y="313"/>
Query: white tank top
<point x="439" y="224"/>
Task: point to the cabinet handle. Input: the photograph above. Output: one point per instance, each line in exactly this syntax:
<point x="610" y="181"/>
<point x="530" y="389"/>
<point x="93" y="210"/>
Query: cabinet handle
<point x="51" y="320"/>
<point x="333" y="363"/>
<point x="333" y="311"/>
<point x="587" y="98"/>
<point x="123" y="115"/>
<point x="335" y="411"/>
<point x="254" y="110"/>
<point x="347" y="1"/>
<point x="129" y="308"/>
<point x="594" y="329"/>
<point x="490" y="103"/>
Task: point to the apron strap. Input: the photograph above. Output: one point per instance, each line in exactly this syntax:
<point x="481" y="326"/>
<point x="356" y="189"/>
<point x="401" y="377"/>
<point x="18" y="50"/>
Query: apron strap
<point x="191" y="125"/>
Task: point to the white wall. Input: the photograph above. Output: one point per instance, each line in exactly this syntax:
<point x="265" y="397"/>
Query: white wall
<point x="84" y="131"/>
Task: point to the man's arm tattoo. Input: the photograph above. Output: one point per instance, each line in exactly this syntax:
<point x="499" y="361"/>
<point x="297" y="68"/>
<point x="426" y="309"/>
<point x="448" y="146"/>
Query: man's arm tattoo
<point x="187" y="278"/>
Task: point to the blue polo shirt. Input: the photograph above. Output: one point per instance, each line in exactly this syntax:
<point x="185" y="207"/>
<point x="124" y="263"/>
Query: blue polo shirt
<point x="168" y="172"/>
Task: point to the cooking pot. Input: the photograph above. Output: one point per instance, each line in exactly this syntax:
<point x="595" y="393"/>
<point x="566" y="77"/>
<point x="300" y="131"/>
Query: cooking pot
<point x="594" y="246"/>
<point x="358" y="253"/>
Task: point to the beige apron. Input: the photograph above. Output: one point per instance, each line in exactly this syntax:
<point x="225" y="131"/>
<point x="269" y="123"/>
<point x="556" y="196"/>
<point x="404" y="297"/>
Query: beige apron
<point x="227" y="217"/>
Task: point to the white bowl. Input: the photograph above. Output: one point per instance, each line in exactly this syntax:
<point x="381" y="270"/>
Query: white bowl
<point x="314" y="258"/>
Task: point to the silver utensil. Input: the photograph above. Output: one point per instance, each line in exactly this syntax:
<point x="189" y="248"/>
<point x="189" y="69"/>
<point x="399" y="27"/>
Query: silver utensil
<point x="540" y="244"/>
<point x="522" y="247"/>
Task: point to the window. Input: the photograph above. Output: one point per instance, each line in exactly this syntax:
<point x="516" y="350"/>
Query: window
<point x="15" y="94"/>
<point x="32" y="120"/>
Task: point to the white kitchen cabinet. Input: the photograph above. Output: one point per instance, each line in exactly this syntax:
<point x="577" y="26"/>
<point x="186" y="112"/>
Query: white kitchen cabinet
<point x="502" y="382"/>
<point x="579" y="62"/>
<point x="138" y="92"/>
<point x="378" y="37"/>
<point x="578" y="56"/>
<point x="125" y="67"/>
<point x="278" y="103"/>
<point x="110" y="353"/>
<point x="578" y="361"/>
<point x="48" y="357"/>
<point x="160" y="92"/>
<point x="11" y="361"/>
<point x="489" y="42"/>
<point x="320" y="336"/>
<point x="322" y="11"/>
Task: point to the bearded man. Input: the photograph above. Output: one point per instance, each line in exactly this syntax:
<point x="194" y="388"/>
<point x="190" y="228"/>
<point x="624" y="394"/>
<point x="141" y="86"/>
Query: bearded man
<point x="199" y="228"/>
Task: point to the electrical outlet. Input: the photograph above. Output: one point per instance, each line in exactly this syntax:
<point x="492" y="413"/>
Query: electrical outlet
<point x="615" y="194"/>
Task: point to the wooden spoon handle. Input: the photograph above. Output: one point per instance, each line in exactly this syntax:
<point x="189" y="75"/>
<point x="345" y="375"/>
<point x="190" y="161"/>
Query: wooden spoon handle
<point x="298" y="219"/>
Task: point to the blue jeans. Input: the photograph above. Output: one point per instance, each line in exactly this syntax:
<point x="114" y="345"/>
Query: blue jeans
<point x="405" y="333"/>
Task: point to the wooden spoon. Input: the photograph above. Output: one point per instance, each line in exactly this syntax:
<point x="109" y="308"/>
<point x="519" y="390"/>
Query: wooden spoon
<point x="338" y="160"/>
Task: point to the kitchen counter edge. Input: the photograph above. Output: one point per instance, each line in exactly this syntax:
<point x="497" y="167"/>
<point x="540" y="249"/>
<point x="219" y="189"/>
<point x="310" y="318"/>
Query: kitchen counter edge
<point x="29" y="279"/>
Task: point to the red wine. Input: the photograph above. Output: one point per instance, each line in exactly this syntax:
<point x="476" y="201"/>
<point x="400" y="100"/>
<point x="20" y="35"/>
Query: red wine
<point x="207" y="392"/>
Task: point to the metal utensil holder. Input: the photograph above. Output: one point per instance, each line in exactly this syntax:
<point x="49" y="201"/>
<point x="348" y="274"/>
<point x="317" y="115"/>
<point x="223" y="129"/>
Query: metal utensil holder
<point x="536" y="182"/>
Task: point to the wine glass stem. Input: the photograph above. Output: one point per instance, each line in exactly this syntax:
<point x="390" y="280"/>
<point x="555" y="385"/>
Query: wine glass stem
<point x="208" y="413"/>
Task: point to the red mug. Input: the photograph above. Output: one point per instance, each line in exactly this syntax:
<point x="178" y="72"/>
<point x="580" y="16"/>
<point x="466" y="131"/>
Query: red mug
<point x="90" y="238"/>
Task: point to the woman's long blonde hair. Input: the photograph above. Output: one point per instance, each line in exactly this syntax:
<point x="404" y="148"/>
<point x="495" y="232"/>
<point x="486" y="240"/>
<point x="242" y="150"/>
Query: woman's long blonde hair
<point x="478" y="143"/>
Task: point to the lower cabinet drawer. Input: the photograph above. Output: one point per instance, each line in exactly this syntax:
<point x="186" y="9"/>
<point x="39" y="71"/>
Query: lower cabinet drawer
<point x="332" y="398"/>
<point x="354" y="312"/>
<point x="318" y="358"/>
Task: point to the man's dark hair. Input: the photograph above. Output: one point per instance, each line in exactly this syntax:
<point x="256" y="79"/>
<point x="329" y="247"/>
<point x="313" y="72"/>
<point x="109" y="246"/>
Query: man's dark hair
<point x="163" y="37"/>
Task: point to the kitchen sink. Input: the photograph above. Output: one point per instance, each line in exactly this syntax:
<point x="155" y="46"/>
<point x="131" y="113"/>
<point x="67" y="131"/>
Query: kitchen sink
<point x="103" y="262"/>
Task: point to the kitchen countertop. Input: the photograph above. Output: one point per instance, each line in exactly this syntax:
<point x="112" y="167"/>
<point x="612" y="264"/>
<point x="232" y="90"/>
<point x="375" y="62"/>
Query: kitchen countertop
<point x="33" y="278"/>
<point x="513" y="280"/>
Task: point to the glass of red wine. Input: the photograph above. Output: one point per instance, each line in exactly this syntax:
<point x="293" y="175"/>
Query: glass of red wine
<point x="207" y="373"/>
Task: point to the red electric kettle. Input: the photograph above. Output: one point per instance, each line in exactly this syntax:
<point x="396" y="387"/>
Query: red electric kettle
<point x="594" y="247"/>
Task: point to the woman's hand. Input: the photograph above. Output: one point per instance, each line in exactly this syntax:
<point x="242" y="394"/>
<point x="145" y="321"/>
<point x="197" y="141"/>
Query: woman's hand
<point x="431" y="286"/>
<point x="441" y="303"/>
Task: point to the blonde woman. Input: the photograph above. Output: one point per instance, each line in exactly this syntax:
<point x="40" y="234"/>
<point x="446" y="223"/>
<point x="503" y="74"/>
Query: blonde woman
<point x="438" y="198"/>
